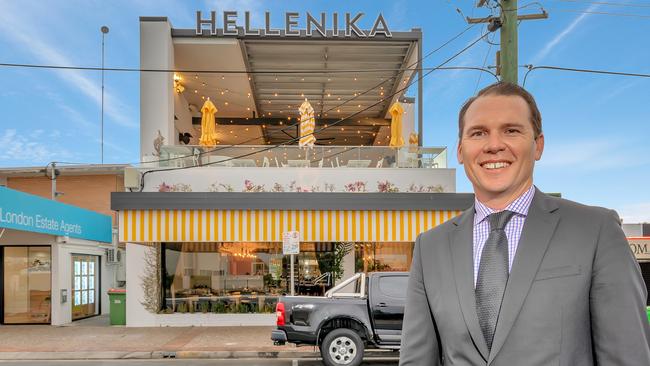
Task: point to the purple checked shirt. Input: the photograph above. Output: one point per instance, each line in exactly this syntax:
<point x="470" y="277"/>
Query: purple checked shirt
<point x="513" y="229"/>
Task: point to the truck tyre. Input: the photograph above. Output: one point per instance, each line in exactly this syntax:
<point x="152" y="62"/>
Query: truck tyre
<point x="342" y="346"/>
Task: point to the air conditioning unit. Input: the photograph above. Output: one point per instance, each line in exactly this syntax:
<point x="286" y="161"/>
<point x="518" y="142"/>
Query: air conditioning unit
<point x="113" y="256"/>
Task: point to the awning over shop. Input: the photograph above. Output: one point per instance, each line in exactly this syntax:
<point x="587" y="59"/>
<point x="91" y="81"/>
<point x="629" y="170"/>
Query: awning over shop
<point x="268" y="225"/>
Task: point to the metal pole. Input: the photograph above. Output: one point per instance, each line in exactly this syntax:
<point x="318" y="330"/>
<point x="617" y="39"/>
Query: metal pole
<point x="509" y="41"/>
<point x="420" y="87"/>
<point x="293" y="287"/>
<point x="104" y="30"/>
<point x="53" y="179"/>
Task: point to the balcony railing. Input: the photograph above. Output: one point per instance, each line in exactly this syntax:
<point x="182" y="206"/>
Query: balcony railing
<point x="295" y="156"/>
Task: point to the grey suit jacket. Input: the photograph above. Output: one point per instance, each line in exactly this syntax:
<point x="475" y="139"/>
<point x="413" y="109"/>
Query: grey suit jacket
<point x="575" y="295"/>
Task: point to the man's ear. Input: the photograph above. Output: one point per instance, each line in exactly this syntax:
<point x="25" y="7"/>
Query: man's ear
<point x="539" y="146"/>
<point x="459" y="153"/>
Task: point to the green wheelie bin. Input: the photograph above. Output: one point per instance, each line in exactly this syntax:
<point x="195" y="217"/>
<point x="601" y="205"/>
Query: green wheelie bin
<point x="117" y="299"/>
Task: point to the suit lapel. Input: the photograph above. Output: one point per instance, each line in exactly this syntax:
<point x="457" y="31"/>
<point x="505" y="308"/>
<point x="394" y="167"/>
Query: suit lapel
<point x="535" y="236"/>
<point x="462" y="247"/>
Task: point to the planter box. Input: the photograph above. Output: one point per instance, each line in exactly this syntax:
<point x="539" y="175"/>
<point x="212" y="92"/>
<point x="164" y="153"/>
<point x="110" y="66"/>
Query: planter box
<point x="214" y="320"/>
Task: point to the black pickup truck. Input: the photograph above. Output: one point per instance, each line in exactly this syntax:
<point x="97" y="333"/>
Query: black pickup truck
<point x="361" y="312"/>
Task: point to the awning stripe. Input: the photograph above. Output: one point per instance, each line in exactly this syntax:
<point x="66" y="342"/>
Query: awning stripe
<point x="268" y="225"/>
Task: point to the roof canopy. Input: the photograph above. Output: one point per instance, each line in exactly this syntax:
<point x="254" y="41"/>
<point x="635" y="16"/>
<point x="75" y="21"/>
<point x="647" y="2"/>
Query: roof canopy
<point x="280" y="72"/>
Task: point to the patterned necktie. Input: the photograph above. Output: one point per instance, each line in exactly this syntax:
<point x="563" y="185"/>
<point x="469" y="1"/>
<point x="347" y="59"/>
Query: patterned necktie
<point x="492" y="275"/>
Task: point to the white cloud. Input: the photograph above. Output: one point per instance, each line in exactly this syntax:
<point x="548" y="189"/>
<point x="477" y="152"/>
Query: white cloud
<point x="635" y="213"/>
<point x="558" y="38"/>
<point x="592" y="154"/>
<point x="26" y="149"/>
<point x="47" y="53"/>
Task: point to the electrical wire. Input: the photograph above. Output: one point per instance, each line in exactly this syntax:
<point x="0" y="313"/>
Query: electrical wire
<point x="291" y="126"/>
<point x="607" y="3"/>
<point x="591" y="71"/>
<point x="142" y="178"/>
<point x="409" y="67"/>
<point x="591" y="12"/>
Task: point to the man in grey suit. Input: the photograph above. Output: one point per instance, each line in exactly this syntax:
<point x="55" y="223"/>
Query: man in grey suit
<point x="521" y="278"/>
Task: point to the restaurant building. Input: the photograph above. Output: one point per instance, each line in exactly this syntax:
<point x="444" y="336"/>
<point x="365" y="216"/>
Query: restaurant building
<point x="203" y="216"/>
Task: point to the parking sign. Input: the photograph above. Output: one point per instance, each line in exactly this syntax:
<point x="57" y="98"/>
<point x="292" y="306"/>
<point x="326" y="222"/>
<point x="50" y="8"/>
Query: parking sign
<point x="291" y="242"/>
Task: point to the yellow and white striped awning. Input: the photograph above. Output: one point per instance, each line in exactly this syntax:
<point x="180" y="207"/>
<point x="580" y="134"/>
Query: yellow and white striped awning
<point x="268" y="225"/>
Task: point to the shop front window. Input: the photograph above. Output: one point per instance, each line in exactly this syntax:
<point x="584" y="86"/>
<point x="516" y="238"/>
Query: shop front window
<point x="222" y="277"/>
<point x="85" y="281"/>
<point x="383" y="257"/>
<point x="27" y="285"/>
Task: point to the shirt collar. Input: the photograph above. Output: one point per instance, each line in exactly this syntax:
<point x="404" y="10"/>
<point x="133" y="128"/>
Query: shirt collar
<point x="519" y="206"/>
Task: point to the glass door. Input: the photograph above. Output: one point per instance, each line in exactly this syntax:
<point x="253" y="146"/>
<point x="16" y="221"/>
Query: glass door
<point x="85" y="282"/>
<point x="27" y="284"/>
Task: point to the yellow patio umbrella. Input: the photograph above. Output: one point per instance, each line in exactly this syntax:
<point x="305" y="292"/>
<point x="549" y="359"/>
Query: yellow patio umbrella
<point x="307" y="124"/>
<point x="208" y="133"/>
<point x="396" y="112"/>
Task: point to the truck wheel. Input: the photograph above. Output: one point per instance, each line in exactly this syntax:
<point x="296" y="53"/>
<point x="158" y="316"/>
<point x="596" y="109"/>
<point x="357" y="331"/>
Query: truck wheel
<point x="342" y="346"/>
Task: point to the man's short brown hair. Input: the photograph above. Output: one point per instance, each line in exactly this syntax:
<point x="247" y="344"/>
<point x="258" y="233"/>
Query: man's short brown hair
<point x="505" y="89"/>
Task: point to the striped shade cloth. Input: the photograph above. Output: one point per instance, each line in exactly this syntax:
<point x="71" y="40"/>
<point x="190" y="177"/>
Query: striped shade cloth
<point x="307" y="124"/>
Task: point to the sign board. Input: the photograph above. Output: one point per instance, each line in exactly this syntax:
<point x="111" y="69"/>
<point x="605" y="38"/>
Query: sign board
<point x="340" y="25"/>
<point x="291" y="242"/>
<point x="640" y="246"/>
<point x="26" y="212"/>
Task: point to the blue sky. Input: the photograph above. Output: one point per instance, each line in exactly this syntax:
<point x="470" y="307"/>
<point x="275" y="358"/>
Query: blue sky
<point x="596" y="126"/>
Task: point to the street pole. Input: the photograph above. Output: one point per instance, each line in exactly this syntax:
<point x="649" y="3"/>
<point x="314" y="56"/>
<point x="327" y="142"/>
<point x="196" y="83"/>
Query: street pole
<point x="293" y="287"/>
<point x="507" y="22"/>
<point x="509" y="49"/>
<point x="53" y="179"/>
<point x="104" y="30"/>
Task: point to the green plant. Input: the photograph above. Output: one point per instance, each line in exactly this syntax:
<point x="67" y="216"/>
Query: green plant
<point x="341" y="250"/>
<point x="205" y="307"/>
<point x="151" y="279"/>
<point x="218" y="307"/>
<point x="181" y="308"/>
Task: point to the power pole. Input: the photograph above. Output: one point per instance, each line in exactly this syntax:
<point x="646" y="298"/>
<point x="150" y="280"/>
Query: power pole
<point x="507" y="21"/>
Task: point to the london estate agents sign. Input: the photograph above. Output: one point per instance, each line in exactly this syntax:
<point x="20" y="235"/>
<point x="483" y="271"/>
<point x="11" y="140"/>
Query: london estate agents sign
<point x="339" y="26"/>
<point x="26" y="212"/>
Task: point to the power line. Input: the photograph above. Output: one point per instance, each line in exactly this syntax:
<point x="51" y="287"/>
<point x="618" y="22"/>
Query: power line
<point x="409" y="67"/>
<point x="321" y="129"/>
<point x="590" y="71"/>
<point x="591" y="12"/>
<point x="607" y="3"/>
<point x="290" y="126"/>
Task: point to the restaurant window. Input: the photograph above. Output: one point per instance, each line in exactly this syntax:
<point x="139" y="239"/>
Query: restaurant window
<point x="222" y="277"/>
<point x="383" y="256"/>
<point x="27" y="285"/>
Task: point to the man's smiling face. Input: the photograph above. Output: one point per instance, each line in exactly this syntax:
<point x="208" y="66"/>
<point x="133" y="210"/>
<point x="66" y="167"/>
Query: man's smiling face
<point x="499" y="149"/>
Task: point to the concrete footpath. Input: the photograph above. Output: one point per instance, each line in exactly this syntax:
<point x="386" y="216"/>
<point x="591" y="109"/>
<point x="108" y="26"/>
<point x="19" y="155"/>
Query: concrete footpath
<point x="94" y="339"/>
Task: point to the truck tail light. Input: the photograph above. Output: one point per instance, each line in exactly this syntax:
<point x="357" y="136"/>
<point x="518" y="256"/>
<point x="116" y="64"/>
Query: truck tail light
<point x="279" y="311"/>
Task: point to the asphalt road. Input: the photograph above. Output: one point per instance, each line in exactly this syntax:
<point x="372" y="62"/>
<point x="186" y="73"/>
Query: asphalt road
<point x="209" y="362"/>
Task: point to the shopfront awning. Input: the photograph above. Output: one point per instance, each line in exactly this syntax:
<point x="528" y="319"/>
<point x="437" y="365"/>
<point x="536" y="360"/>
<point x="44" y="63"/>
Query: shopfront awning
<point x="179" y="225"/>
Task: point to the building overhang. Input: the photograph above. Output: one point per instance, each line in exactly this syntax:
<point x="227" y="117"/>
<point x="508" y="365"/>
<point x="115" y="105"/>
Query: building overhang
<point x="290" y="201"/>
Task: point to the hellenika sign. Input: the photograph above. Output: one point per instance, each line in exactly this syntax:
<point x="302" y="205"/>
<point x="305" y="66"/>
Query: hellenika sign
<point x="339" y="26"/>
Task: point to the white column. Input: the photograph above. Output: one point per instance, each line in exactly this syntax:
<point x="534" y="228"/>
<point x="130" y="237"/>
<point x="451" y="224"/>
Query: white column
<point x="136" y="314"/>
<point x="156" y="88"/>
